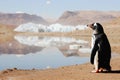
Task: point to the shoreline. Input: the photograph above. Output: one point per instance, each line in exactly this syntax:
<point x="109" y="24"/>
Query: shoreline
<point x="114" y="55"/>
<point x="73" y="72"/>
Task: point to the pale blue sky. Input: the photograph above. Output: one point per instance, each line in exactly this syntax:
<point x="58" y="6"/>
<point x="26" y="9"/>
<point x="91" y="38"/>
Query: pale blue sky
<point x="54" y="8"/>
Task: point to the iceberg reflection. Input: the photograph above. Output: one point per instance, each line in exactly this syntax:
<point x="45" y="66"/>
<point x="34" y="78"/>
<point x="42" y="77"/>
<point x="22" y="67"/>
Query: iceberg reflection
<point x="47" y="41"/>
<point x="68" y="46"/>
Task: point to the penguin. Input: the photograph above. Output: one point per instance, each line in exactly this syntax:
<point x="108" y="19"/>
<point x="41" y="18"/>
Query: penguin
<point x="100" y="49"/>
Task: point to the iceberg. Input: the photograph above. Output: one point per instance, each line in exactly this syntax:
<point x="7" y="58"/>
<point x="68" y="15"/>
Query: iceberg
<point x="32" y="27"/>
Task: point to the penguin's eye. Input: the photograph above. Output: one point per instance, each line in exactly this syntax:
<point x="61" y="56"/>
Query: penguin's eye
<point x="93" y="24"/>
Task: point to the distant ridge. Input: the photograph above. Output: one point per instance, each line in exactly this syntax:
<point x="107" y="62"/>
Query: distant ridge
<point x="20" y="18"/>
<point x="85" y="17"/>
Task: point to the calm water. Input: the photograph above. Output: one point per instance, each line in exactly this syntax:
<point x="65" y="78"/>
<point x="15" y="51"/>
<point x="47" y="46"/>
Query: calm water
<point x="27" y="52"/>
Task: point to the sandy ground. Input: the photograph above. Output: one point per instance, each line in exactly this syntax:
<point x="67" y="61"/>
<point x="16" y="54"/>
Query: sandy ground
<point x="75" y="72"/>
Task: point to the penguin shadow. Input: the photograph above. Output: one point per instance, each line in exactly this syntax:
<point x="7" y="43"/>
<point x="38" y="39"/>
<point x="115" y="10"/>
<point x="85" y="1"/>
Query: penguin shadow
<point x="112" y="71"/>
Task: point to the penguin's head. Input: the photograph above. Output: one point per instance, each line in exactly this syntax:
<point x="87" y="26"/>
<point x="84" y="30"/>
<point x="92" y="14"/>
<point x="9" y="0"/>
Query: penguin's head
<point x="97" y="27"/>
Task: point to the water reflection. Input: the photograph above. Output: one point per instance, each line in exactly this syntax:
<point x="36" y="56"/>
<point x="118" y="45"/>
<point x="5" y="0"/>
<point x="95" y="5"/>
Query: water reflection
<point x="47" y="41"/>
<point x="14" y="47"/>
<point x="68" y="46"/>
<point x="28" y="52"/>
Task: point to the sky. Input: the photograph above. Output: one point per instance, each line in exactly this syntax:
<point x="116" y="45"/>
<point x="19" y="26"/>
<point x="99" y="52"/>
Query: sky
<point x="55" y="8"/>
